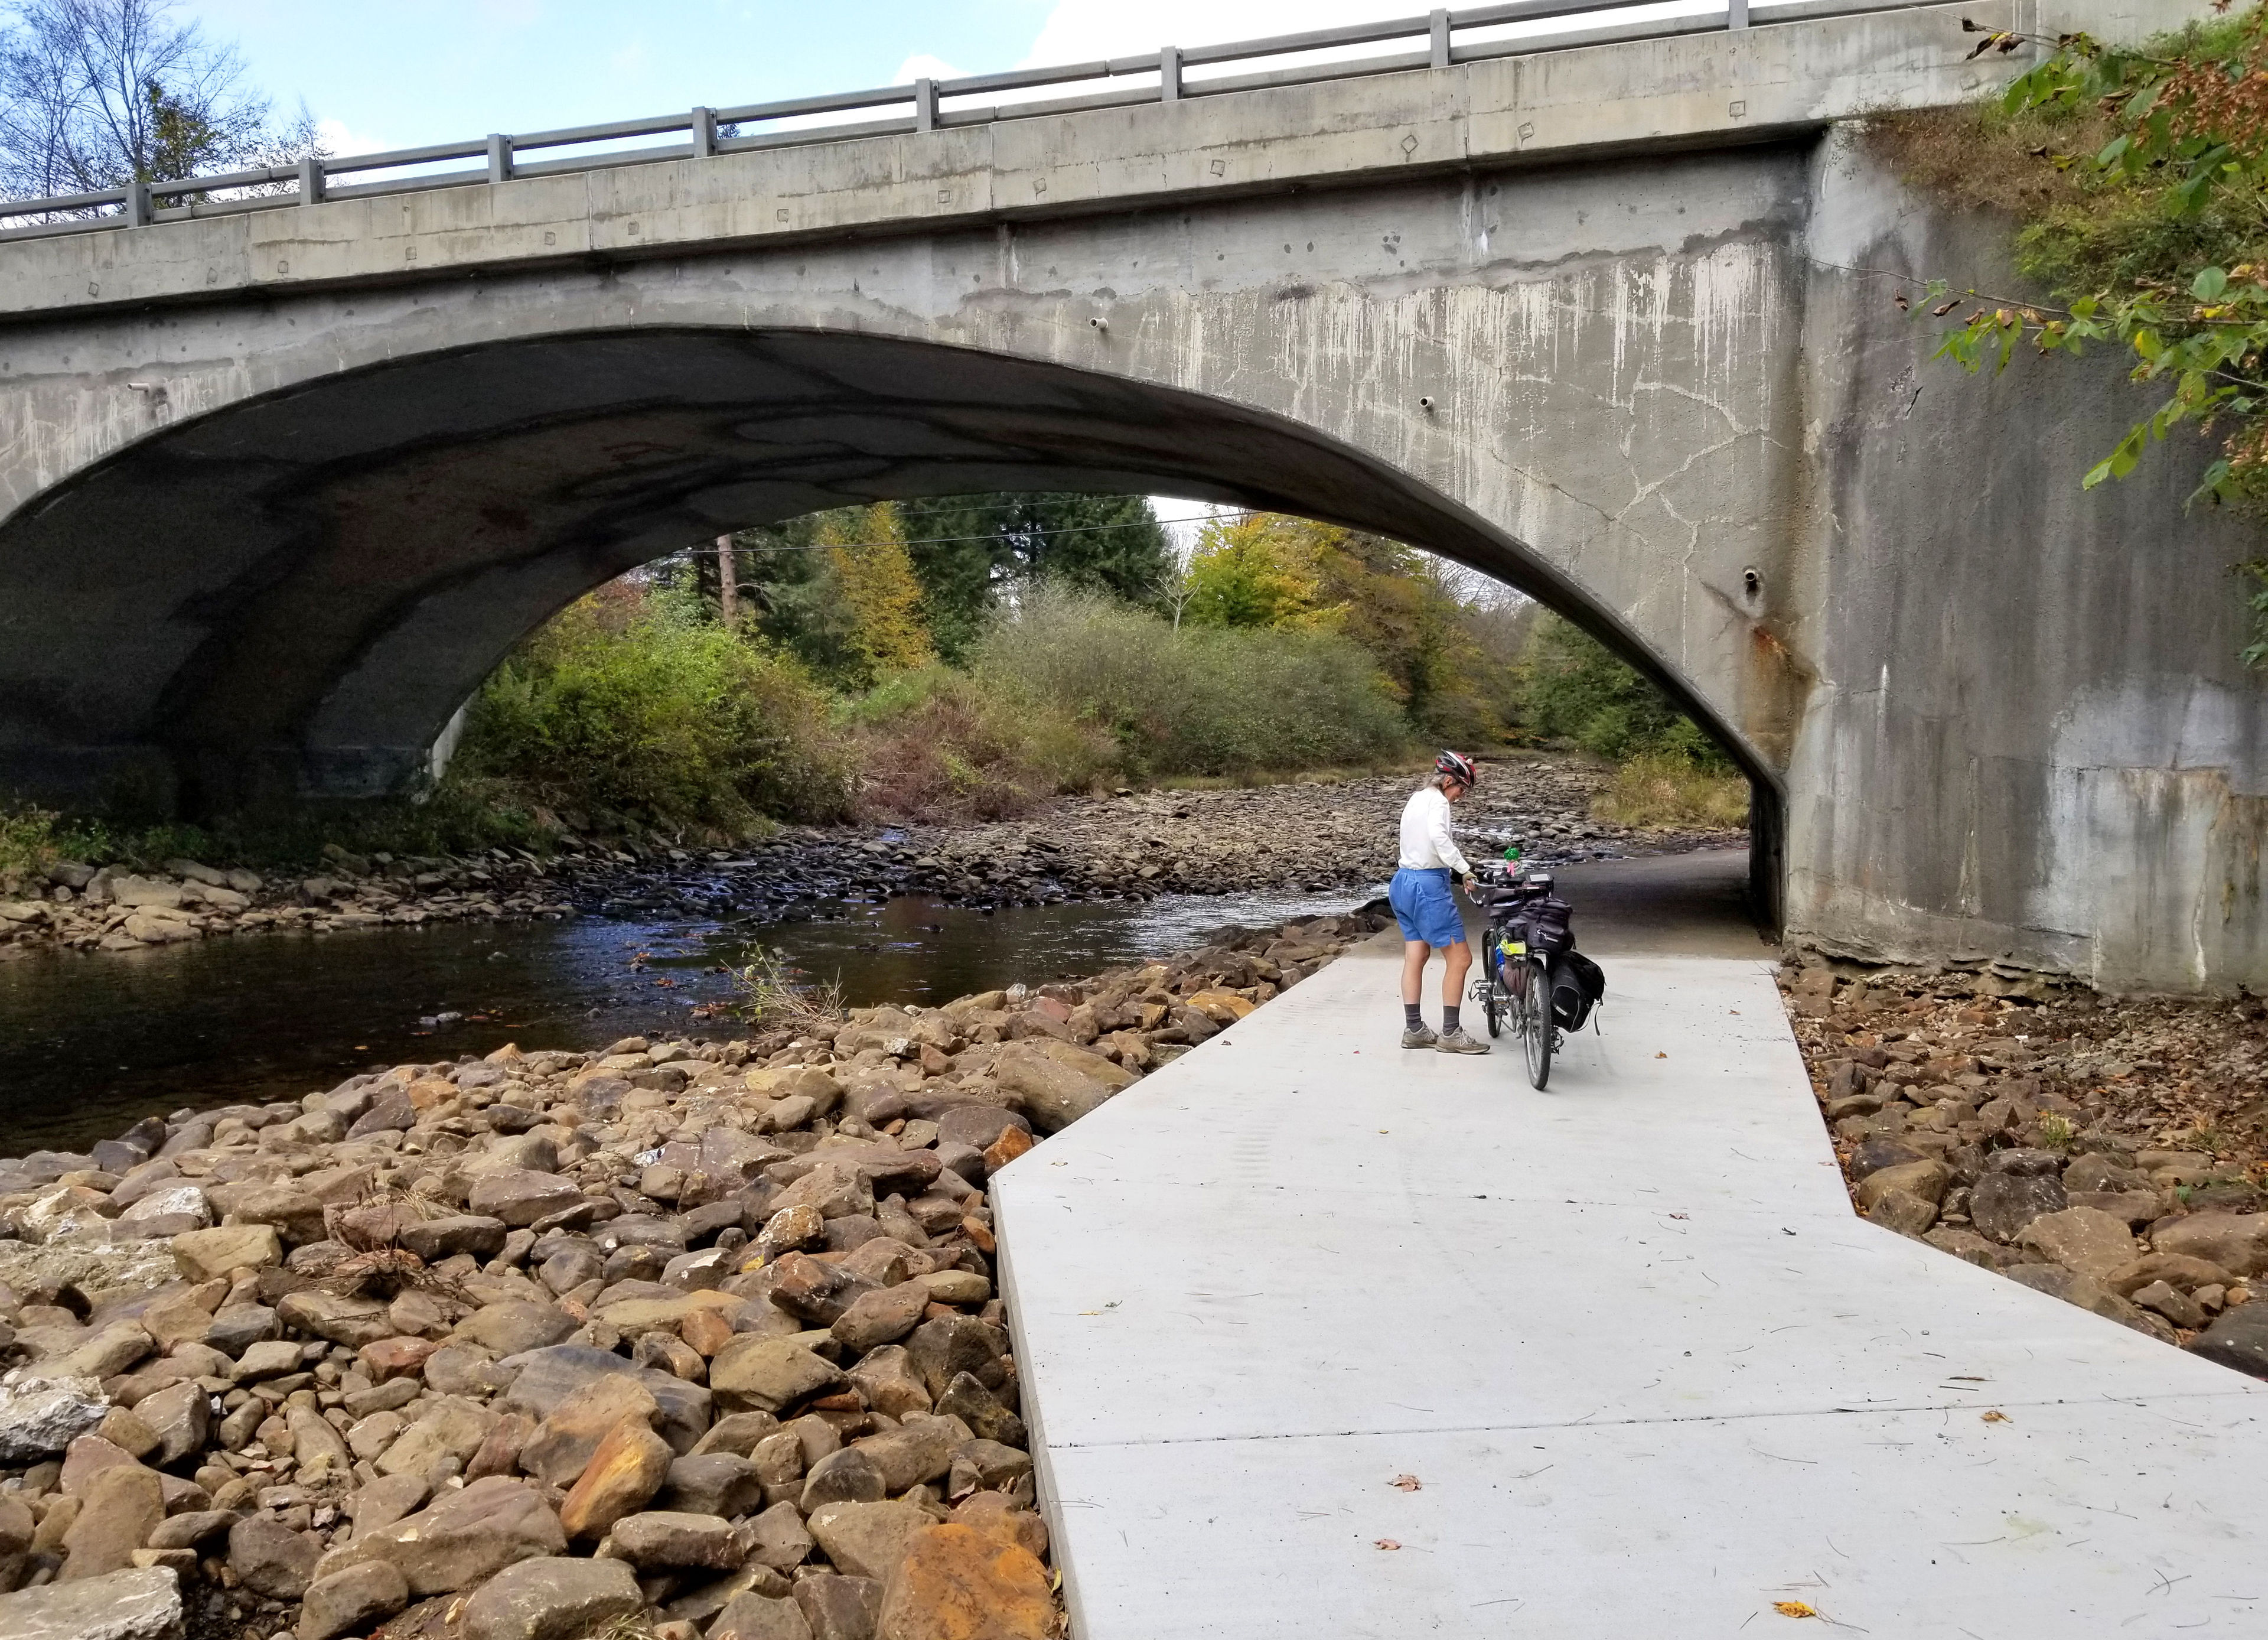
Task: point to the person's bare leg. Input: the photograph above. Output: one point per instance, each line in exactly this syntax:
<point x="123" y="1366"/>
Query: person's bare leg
<point x="1413" y="970"/>
<point x="1458" y="961"/>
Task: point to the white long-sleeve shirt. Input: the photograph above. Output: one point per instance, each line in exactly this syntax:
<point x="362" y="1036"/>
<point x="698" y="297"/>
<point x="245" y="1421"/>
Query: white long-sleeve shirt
<point x="1426" y="844"/>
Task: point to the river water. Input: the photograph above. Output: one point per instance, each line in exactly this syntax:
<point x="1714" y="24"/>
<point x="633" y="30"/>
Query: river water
<point x="90" y="1043"/>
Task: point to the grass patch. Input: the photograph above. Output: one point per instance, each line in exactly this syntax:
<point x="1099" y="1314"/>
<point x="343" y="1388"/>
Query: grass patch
<point x="1664" y="789"/>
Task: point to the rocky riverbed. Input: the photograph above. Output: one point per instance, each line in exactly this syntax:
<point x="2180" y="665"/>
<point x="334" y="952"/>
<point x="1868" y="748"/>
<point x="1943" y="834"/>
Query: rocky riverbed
<point x="680" y="1339"/>
<point x="1134" y="844"/>
<point x="2108" y="1152"/>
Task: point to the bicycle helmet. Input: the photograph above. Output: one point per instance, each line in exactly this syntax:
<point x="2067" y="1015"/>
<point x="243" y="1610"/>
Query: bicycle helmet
<point x="1458" y="767"/>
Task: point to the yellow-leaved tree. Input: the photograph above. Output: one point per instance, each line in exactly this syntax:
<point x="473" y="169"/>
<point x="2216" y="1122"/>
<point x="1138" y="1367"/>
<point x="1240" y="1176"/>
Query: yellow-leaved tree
<point x="867" y="548"/>
<point x="1256" y="570"/>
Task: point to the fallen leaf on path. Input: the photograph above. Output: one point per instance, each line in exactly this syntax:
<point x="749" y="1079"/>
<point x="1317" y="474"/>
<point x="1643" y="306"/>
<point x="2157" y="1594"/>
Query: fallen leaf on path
<point x="1388" y="1543"/>
<point x="1792" y="1608"/>
<point x="1998" y="1417"/>
<point x="1661" y="1056"/>
<point x="1408" y="1483"/>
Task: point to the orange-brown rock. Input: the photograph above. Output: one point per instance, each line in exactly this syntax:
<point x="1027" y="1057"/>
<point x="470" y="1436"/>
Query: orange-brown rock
<point x="626" y="1470"/>
<point x="1011" y="1143"/>
<point x="957" y="1582"/>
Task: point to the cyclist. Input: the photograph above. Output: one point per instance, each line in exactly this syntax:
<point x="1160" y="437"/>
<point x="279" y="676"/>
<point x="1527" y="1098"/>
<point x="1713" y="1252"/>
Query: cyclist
<point x="1426" y="908"/>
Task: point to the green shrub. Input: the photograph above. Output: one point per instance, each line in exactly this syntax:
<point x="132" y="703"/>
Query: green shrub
<point x="636" y="708"/>
<point x="1576" y="690"/>
<point x="937" y="744"/>
<point x="1197" y="701"/>
<point x="1669" y="789"/>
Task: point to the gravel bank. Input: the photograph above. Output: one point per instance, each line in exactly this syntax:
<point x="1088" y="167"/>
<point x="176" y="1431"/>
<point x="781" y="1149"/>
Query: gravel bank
<point x="1135" y="844"/>
<point x="2106" y="1152"/>
<point x="680" y="1339"/>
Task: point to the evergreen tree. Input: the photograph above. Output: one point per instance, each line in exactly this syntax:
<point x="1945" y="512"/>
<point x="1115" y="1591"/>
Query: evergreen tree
<point x="867" y="547"/>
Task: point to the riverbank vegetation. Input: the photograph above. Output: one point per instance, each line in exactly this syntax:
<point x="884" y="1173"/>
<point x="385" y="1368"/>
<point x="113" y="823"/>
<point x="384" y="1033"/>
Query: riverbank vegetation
<point x="2138" y="183"/>
<point x="965" y="659"/>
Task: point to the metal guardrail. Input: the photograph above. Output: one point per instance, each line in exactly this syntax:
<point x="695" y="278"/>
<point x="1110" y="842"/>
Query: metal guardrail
<point x="920" y="107"/>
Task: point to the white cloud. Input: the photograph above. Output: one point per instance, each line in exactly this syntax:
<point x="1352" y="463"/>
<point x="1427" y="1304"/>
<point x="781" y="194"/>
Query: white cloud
<point x="921" y="65"/>
<point x="1079" y="30"/>
<point x="1076" y="30"/>
<point x="337" y="139"/>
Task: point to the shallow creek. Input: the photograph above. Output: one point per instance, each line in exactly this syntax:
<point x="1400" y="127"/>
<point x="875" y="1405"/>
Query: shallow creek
<point x="90" y="1043"/>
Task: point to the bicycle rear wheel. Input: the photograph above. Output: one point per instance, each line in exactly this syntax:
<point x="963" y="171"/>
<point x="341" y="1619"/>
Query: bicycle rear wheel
<point x="1536" y="1031"/>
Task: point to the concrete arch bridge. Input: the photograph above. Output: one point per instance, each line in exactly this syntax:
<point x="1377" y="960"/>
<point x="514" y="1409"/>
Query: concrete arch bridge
<point x="280" y="482"/>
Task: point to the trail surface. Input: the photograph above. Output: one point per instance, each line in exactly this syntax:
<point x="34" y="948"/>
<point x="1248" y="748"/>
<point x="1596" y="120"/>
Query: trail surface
<point x="1650" y="1373"/>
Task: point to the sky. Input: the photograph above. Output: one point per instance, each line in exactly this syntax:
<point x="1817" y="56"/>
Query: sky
<point x="418" y="71"/>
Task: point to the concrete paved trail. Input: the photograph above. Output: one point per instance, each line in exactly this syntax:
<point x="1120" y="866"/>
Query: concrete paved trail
<point x="1651" y="1376"/>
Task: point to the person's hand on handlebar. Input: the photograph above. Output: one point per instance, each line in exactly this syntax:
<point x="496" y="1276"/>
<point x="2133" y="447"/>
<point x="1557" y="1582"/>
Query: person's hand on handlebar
<point x="1472" y="888"/>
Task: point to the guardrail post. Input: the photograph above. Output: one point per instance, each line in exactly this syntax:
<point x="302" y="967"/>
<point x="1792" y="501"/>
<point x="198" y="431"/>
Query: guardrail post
<point x="925" y="105"/>
<point x="311" y="180"/>
<point x="1736" y="13"/>
<point x="138" y="204"/>
<point x="1169" y="74"/>
<point x="499" y="157"/>
<point x="1439" y="30"/>
<point x="704" y="133"/>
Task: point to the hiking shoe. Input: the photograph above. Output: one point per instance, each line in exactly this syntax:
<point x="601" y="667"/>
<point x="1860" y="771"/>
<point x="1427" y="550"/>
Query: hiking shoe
<point x="1457" y="1042"/>
<point x="1424" y="1036"/>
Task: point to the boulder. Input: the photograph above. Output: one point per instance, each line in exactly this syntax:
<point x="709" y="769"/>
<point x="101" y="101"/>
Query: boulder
<point x="711" y="1483"/>
<point x="957" y="1582"/>
<point x="271" y="1558"/>
<point x="552" y="1599"/>
<point x="143" y="1603"/>
<point x="2073" y="1288"/>
<point x="180" y="1418"/>
<point x="2081" y="1239"/>
<point x="2237" y="1338"/>
<point x="919" y="1449"/>
<point x="880" y="1317"/>
<point x="118" y="1510"/>
<point x="842" y="1477"/>
<point x="778" y="1539"/>
<point x="41" y="1415"/>
<point x="623" y="1474"/>
<point x="516" y="1327"/>
<point x="759" y="1617"/>
<point x="561" y="1447"/>
<point x="353" y="1599"/>
<point x="463" y="1539"/>
<point x="2001" y="1204"/>
<point x="449" y="1427"/>
<point x="519" y="1196"/>
<point x="866" y="1540"/>
<point x="547" y="1376"/>
<point x="769" y="1374"/>
<point x="207" y="1255"/>
<point x="2237" y="1242"/>
<point x="352" y="1322"/>
<point x="1052" y="1094"/>
<point x="661" y="1540"/>
<point x="2183" y="1273"/>
<point x="1925" y="1179"/>
<point x="436" y="1239"/>
<point x="839" y="1608"/>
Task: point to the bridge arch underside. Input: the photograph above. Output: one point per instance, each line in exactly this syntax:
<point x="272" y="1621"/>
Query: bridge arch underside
<point x="288" y="598"/>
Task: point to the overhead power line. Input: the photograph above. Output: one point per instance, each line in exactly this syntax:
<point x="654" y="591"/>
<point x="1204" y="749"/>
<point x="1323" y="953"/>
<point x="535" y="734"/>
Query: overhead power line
<point x="945" y="540"/>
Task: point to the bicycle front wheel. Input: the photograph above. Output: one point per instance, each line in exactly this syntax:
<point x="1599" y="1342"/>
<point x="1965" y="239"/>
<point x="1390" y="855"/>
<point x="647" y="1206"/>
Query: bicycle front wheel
<point x="1536" y="1031"/>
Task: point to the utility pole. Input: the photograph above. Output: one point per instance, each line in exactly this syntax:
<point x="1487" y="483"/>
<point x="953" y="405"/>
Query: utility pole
<point x="728" y="589"/>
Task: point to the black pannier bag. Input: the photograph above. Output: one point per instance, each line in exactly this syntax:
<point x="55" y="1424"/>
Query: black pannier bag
<point x="1546" y="921"/>
<point x="1577" y="986"/>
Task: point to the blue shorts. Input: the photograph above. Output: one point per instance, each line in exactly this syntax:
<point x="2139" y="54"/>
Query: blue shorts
<point x="1425" y="908"/>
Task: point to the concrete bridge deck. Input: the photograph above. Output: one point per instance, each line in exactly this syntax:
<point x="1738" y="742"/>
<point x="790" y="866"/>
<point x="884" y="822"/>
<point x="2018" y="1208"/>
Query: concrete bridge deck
<point x="1652" y="1374"/>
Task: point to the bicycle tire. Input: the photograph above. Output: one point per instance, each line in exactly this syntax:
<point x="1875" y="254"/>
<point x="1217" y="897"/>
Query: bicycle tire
<point x="1492" y="994"/>
<point x="1536" y="1031"/>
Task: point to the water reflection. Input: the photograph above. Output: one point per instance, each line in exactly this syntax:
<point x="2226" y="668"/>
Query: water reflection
<point x="88" y="1043"/>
